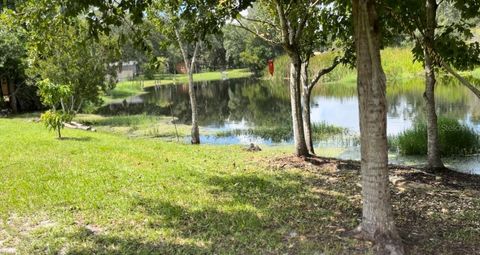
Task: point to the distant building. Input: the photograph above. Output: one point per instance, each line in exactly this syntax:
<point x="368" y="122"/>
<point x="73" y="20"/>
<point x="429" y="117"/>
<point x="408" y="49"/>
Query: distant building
<point x="127" y="70"/>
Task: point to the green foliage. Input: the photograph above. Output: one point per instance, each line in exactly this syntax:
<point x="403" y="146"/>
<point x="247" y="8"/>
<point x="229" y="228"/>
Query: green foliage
<point x="62" y="50"/>
<point x="53" y="95"/>
<point x="54" y="120"/>
<point x="455" y="139"/>
<point x="453" y="31"/>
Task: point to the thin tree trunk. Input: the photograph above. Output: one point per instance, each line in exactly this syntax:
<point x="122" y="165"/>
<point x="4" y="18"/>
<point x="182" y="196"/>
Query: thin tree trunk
<point x="193" y="103"/>
<point x="296" y="105"/>
<point x="306" y="92"/>
<point x="59" y="133"/>
<point x="433" y="144"/>
<point x="189" y="64"/>
<point x="377" y="217"/>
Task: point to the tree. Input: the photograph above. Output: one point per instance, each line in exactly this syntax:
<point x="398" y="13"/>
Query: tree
<point x="53" y="95"/>
<point x="65" y="54"/>
<point x="300" y="29"/>
<point x="377" y="217"/>
<point x="439" y="43"/>
<point x="13" y="63"/>
<point x="187" y="23"/>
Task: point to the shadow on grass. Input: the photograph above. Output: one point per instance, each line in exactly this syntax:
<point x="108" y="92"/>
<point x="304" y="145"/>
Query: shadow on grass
<point x="248" y="214"/>
<point x="76" y="139"/>
<point x="255" y="215"/>
<point x="106" y="244"/>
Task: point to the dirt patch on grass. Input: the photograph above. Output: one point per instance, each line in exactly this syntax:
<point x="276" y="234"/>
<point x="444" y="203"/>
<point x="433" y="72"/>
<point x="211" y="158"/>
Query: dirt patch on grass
<point x="436" y="213"/>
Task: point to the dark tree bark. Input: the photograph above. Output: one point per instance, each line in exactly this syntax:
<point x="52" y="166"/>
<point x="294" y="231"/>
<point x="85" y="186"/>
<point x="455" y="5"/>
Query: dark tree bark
<point x="13" y="98"/>
<point x="377" y="217"/>
<point x="433" y="144"/>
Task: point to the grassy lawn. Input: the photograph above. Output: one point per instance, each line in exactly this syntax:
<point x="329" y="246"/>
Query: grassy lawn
<point x="104" y="193"/>
<point x="130" y="88"/>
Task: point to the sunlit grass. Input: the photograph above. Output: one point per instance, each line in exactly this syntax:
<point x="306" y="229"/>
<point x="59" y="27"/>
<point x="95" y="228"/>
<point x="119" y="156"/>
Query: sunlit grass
<point x="100" y="193"/>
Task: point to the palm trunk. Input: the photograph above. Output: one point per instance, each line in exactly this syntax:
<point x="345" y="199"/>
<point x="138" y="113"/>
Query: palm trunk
<point x="193" y="103"/>
<point x="377" y="217"/>
<point x="306" y="92"/>
<point x="296" y="104"/>
<point x="433" y="144"/>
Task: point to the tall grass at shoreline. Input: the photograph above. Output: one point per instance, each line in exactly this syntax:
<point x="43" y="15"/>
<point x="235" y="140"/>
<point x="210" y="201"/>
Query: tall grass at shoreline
<point x="455" y="139"/>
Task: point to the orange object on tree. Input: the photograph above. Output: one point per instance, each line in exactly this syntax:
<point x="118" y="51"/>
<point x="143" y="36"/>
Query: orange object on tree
<point x="271" y="68"/>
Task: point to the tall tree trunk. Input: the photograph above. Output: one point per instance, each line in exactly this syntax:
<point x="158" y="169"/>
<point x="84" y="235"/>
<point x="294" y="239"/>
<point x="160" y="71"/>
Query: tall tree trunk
<point x="433" y="144"/>
<point x="296" y="105"/>
<point x="377" y="217"/>
<point x="306" y="92"/>
<point x="193" y="103"/>
<point x="189" y="65"/>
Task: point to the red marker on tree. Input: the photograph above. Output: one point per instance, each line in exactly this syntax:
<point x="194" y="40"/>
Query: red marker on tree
<point x="271" y="68"/>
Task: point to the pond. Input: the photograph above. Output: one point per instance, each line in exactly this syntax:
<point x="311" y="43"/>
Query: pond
<point x="236" y="110"/>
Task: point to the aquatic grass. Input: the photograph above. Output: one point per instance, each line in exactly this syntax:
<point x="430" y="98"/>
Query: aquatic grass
<point x="398" y="64"/>
<point x="455" y="139"/>
<point x="279" y="134"/>
<point x="117" y="120"/>
<point x="476" y="73"/>
<point x="141" y="125"/>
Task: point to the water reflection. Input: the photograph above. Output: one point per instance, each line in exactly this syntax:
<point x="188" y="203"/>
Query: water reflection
<point x="243" y="104"/>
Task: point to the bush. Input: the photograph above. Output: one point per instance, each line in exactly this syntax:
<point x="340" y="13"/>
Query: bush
<point x="54" y="120"/>
<point x="455" y="139"/>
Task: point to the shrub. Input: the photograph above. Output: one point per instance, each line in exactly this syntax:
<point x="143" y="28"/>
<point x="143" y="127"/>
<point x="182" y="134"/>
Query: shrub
<point x="54" y="120"/>
<point x="455" y="139"/>
<point x="54" y="95"/>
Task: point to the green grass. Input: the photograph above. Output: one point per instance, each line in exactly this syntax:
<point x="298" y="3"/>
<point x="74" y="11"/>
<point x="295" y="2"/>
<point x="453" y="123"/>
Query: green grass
<point x="126" y="89"/>
<point x="102" y="193"/>
<point x="476" y="73"/>
<point x="455" y="139"/>
<point x="398" y="65"/>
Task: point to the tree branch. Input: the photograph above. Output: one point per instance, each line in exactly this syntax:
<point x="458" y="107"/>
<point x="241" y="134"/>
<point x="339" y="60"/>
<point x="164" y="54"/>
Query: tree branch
<point x="323" y="72"/>
<point x="270" y="41"/>
<point x="462" y="80"/>
<point x="260" y="21"/>
<point x="182" y="49"/>
<point x="197" y="45"/>
<point x="283" y="23"/>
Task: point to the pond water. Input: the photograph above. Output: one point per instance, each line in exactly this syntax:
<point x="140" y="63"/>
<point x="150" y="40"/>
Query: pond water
<point x="231" y="109"/>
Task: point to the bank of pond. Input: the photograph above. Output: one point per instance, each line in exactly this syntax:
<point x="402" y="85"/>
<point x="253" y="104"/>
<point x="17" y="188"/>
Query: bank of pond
<point x="244" y="111"/>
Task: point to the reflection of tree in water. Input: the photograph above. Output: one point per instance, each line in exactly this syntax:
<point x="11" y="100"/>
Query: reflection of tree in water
<point x="265" y="104"/>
